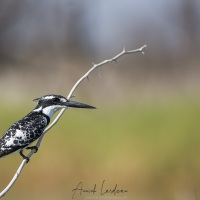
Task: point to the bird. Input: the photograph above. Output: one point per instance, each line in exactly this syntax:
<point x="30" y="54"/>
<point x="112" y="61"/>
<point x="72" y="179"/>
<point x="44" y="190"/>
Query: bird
<point x="28" y="129"/>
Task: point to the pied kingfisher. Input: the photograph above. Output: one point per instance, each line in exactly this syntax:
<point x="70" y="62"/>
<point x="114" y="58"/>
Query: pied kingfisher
<point x="22" y="133"/>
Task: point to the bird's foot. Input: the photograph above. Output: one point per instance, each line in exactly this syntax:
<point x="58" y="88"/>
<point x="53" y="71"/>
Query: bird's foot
<point x="33" y="147"/>
<point x="23" y="156"/>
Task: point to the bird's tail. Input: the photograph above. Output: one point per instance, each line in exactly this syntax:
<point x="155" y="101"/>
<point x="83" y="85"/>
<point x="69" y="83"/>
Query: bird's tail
<point x="2" y="153"/>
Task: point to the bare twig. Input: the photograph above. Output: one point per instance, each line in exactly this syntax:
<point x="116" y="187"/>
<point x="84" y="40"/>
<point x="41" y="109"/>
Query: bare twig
<point x="70" y="95"/>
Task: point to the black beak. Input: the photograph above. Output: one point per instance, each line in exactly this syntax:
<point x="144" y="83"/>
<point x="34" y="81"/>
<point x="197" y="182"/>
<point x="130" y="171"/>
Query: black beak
<point x="75" y="104"/>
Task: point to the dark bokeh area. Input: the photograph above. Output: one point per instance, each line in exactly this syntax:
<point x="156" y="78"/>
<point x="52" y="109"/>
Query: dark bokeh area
<point x="145" y="134"/>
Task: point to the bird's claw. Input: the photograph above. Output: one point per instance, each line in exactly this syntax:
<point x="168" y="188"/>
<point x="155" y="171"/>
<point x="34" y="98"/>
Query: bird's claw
<point x="23" y="156"/>
<point x="33" y="147"/>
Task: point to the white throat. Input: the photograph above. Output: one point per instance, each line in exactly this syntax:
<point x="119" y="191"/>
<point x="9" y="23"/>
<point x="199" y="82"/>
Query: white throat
<point x="50" y="110"/>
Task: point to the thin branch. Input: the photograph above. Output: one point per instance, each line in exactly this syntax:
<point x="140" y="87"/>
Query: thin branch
<point x="70" y="95"/>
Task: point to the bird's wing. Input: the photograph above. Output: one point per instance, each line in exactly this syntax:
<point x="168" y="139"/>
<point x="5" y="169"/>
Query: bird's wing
<point x="22" y="133"/>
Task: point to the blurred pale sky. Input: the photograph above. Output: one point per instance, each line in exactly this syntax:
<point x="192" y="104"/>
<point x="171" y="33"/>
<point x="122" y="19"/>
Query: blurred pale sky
<point x="63" y="37"/>
<point x="106" y="24"/>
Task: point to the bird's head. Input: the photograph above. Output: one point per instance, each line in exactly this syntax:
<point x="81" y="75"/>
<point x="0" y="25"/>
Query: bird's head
<point x="49" y="104"/>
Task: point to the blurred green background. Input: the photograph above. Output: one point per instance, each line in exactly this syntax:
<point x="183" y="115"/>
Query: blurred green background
<point x="144" y="135"/>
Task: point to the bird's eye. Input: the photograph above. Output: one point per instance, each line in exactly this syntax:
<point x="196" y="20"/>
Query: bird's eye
<point x="56" y="100"/>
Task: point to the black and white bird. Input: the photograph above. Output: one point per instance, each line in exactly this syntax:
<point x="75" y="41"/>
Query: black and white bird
<point x="22" y="133"/>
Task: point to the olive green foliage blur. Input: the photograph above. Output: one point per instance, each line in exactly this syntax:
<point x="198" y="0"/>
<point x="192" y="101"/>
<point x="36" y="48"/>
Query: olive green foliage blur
<point x="151" y="149"/>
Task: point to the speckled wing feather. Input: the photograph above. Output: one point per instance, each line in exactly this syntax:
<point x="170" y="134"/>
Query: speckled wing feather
<point x="23" y="133"/>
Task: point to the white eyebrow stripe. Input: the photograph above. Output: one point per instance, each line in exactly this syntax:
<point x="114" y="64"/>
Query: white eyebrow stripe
<point x="49" y="97"/>
<point x="63" y="100"/>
